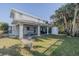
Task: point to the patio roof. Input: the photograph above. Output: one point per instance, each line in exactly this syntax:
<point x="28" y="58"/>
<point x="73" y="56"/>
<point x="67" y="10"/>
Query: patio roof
<point x="36" y="20"/>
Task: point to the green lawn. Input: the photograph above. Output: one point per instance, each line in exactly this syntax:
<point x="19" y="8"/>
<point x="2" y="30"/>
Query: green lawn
<point x="46" y="45"/>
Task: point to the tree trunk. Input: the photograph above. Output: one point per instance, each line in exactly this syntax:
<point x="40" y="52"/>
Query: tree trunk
<point x="70" y="27"/>
<point x="74" y="20"/>
<point x="65" y="21"/>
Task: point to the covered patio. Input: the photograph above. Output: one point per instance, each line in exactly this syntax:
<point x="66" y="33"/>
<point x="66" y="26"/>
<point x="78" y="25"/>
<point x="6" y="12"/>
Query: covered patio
<point x="23" y="30"/>
<point x="25" y="23"/>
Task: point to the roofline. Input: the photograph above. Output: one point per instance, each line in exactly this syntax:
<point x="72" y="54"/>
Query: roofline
<point x="28" y="14"/>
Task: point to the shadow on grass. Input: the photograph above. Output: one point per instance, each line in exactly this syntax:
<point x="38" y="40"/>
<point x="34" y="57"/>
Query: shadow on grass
<point x="11" y="51"/>
<point x="35" y="53"/>
<point x="46" y="37"/>
<point x="51" y="46"/>
<point x="38" y="46"/>
<point x="39" y="38"/>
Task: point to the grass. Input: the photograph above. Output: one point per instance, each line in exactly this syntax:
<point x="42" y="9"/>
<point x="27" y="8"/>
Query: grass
<point x="51" y="45"/>
<point x="69" y="47"/>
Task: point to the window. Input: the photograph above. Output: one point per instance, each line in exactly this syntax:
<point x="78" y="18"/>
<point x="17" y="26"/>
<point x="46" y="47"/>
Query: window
<point x="28" y="28"/>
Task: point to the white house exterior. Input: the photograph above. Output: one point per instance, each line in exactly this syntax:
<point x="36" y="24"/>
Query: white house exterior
<point x="25" y="23"/>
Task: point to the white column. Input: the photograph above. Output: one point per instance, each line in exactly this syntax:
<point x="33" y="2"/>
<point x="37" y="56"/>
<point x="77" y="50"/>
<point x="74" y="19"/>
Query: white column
<point x="38" y="31"/>
<point x="47" y="30"/>
<point x="20" y="31"/>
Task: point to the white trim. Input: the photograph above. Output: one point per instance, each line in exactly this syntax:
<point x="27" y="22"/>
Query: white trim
<point x="38" y="33"/>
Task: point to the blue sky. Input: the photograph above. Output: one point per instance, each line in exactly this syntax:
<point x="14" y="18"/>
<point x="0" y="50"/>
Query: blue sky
<point x="43" y="11"/>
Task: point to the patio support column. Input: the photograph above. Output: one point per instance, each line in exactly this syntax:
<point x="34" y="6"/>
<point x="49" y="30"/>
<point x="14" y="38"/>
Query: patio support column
<point x="47" y="30"/>
<point x="13" y="30"/>
<point x="38" y="33"/>
<point x="20" y="31"/>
